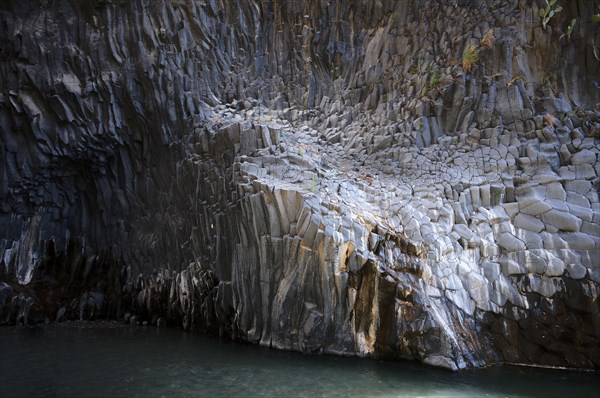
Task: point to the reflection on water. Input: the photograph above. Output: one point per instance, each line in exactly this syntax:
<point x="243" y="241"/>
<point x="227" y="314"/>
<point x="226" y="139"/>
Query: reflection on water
<point x="71" y="362"/>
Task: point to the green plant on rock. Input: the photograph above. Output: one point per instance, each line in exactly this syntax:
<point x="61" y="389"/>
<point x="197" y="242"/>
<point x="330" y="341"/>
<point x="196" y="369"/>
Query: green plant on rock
<point x="470" y="58"/>
<point x="416" y="68"/>
<point x="569" y="31"/>
<point x="434" y="81"/>
<point x="551" y="9"/>
<point x="394" y="20"/>
<point x="596" y="17"/>
<point x="488" y="39"/>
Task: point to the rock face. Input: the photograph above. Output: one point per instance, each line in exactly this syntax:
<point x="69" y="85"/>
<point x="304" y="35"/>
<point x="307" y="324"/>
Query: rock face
<point x="323" y="176"/>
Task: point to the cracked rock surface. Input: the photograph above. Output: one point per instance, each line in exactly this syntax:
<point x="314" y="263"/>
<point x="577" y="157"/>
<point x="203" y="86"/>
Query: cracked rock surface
<point x="319" y="176"/>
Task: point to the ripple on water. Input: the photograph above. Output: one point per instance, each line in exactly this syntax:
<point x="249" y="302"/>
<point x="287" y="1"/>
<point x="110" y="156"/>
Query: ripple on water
<point x="135" y="361"/>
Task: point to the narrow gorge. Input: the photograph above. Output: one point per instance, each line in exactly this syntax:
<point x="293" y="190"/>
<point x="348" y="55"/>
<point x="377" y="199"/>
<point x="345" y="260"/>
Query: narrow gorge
<point x="413" y="179"/>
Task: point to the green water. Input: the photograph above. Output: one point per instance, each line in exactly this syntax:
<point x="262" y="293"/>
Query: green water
<point x="59" y="361"/>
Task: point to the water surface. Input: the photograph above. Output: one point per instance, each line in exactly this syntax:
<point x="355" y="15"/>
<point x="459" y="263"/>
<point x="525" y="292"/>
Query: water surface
<point x="141" y="362"/>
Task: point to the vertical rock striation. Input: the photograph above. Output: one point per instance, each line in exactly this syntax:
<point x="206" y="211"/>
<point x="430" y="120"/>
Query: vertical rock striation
<point x="322" y="176"/>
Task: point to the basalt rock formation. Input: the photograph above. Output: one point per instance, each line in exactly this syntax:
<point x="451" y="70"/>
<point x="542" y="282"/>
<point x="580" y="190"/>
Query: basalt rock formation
<point x="407" y="179"/>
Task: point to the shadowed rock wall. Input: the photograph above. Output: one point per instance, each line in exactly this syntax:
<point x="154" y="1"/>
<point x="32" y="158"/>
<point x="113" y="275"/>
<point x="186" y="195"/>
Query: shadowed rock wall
<point x="361" y="192"/>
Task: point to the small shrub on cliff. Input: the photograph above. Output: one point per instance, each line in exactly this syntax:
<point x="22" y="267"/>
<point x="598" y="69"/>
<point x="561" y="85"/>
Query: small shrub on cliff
<point x="433" y="81"/>
<point x="394" y="20"/>
<point x="569" y="31"/>
<point x="546" y="13"/>
<point x="470" y="58"/>
<point x="488" y="39"/>
<point x="436" y="80"/>
<point x="596" y="17"/>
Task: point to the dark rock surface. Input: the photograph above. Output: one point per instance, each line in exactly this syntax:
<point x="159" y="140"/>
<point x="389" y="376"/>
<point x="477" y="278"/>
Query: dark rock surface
<point x="321" y="176"/>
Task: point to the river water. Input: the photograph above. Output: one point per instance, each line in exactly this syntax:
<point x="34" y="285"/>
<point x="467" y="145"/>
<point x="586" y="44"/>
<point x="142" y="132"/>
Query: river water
<point x="61" y="361"/>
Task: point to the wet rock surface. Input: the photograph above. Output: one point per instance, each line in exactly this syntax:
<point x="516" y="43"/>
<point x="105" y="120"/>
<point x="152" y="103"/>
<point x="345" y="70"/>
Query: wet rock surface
<point x="313" y="176"/>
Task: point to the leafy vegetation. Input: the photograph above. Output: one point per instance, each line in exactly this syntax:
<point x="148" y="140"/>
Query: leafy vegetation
<point x="416" y="69"/>
<point x="394" y="20"/>
<point x="470" y="58"/>
<point x="569" y="31"/>
<point x="436" y="80"/>
<point x="488" y="39"/>
<point x="551" y="9"/>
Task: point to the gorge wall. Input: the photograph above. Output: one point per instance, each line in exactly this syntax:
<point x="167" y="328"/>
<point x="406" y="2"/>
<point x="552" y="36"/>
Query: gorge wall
<point x="321" y="176"/>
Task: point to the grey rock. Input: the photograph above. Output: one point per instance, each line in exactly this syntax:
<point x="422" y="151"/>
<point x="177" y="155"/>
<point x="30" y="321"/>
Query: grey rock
<point x="562" y="220"/>
<point x="576" y="271"/>
<point x="510" y="243"/>
<point x="528" y="223"/>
